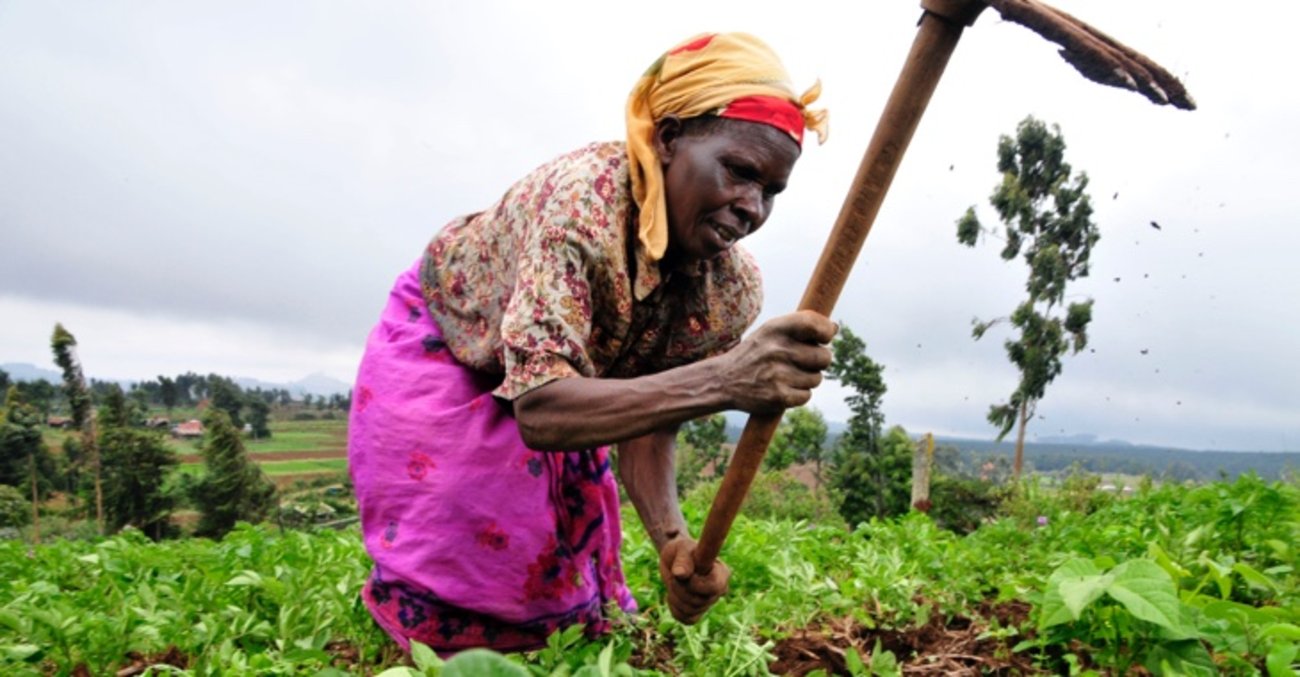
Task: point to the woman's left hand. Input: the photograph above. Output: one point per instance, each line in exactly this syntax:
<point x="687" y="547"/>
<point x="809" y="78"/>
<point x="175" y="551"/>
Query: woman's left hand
<point x="690" y="594"/>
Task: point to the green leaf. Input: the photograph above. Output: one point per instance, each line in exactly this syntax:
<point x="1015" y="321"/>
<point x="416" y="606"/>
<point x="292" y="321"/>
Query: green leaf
<point x="399" y="671"/>
<point x="1166" y="562"/>
<point x="248" y="577"/>
<point x="20" y="652"/>
<point x="1281" y="658"/>
<point x="1285" y="631"/>
<point x="1187" y="657"/>
<point x="1053" y="610"/>
<point x="883" y="662"/>
<point x="1078" y="593"/>
<point x="424" y="657"/>
<point x="481" y="663"/>
<point x="12" y="620"/>
<point x="853" y="662"/>
<point x="1219" y="574"/>
<point x="1148" y="593"/>
<point x="606" y="658"/>
<point x="1253" y="577"/>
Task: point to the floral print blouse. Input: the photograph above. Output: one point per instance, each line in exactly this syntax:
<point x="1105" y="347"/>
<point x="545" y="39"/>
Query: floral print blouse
<point x="551" y="283"/>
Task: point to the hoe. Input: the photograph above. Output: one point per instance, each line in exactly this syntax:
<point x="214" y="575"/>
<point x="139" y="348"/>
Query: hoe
<point x="1094" y="54"/>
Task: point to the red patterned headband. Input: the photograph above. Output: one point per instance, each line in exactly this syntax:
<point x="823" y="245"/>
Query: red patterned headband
<point x="769" y="110"/>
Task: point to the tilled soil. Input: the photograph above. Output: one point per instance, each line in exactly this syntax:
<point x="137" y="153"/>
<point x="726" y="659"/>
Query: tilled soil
<point x="943" y="646"/>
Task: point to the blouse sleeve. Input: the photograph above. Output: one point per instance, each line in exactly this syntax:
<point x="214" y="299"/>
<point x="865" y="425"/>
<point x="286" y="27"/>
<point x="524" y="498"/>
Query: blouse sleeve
<point x="547" y="324"/>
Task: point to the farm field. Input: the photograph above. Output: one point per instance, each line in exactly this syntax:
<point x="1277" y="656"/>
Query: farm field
<point x="295" y="450"/>
<point x="1194" y="580"/>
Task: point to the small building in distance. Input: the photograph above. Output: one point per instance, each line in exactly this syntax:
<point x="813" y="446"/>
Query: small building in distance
<point x="159" y="422"/>
<point x="188" y="430"/>
<point x="61" y="422"/>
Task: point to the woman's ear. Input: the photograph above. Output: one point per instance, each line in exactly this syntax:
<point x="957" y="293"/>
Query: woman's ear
<point x="668" y="130"/>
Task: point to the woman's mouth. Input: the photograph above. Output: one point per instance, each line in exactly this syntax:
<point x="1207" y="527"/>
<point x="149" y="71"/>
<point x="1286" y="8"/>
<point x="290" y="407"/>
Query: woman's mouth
<point x="726" y="235"/>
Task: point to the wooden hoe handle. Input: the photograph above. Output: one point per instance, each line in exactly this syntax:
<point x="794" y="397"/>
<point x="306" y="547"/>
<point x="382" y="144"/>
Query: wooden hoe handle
<point x="940" y="28"/>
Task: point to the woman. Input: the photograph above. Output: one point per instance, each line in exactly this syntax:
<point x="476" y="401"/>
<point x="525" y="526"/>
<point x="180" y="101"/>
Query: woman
<point x="600" y="301"/>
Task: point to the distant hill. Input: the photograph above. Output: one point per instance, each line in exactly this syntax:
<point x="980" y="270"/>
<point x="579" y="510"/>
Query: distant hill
<point x="316" y="384"/>
<point x="1092" y="454"/>
<point x="1117" y="456"/>
<point x="23" y="371"/>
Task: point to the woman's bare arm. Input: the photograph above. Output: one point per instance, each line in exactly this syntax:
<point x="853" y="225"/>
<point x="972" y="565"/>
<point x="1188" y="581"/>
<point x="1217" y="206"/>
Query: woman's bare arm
<point x="647" y="467"/>
<point x="774" y="369"/>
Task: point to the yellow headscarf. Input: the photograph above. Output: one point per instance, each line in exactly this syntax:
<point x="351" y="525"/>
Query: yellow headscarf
<point x="699" y="76"/>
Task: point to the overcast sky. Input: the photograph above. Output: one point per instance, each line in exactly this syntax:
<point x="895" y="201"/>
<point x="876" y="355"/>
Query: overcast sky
<point x="232" y="187"/>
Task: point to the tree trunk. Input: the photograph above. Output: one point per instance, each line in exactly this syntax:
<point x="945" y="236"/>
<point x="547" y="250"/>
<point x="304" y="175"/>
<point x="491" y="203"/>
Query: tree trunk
<point x="922" y="462"/>
<point x="36" y="503"/>
<point x="1020" y="440"/>
<point x="92" y="454"/>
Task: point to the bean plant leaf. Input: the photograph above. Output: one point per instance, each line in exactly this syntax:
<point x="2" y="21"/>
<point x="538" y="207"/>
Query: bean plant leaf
<point x="481" y="663"/>
<point x="20" y="652"/>
<point x="1281" y="658"/>
<point x="1253" y="577"/>
<point x="1285" y="631"/>
<point x="1187" y="657"/>
<point x="1054" y="609"/>
<point x="1166" y="562"/>
<point x="1148" y="593"/>
<point x="853" y="663"/>
<point x="1078" y="593"/>
<point x="424" y="657"/>
<point x="883" y="662"/>
<point x="246" y="577"/>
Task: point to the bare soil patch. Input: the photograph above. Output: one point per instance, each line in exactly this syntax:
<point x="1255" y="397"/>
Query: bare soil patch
<point x="943" y="646"/>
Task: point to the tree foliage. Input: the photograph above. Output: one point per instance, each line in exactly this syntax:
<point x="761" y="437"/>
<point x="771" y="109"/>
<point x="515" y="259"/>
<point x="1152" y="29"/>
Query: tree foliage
<point x="64" y="346"/>
<point x="259" y="416"/>
<point x="227" y="397"/>
<point x="233" y="488"/>
<point x="167" y="393"/>
<point x="699" y="447"/>
<point x="801" y="438"/>
<point x="871" y="475"/>
<point x="1046" y="216"/>
<point x="15" y="509"/>
<point x="877" y="482"/>
<point x="21" y="445"/>
<point x="136" y="466"/>
<point x="852" y="366"/>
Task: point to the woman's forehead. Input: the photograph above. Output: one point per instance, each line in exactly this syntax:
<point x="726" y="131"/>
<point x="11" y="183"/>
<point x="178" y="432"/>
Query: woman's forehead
<point x="758" y="142"/>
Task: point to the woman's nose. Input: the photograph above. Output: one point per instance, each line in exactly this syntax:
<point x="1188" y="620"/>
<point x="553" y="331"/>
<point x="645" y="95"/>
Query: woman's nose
<point x="749" y="206"/>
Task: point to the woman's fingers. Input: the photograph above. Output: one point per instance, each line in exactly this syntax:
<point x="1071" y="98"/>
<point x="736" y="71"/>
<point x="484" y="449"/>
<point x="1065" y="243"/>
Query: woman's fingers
<point x="805" y="326"/>
<point x="689" y="594"/>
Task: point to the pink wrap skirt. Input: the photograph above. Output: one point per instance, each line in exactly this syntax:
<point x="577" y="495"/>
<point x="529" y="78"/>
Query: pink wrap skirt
<point x="477" y="540"/>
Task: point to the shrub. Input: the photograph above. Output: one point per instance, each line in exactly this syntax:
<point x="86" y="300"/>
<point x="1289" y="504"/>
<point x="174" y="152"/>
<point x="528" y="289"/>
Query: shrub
<point x="962" y="504"/>
<point x="774" y="495"/>
<point x="15" y="509"/>
<point x="233" y="488"/>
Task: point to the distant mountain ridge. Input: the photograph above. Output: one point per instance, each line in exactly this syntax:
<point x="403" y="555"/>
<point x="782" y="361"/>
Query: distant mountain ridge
<point x="315" y="384"/>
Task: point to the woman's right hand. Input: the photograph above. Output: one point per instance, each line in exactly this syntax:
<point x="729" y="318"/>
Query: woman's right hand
<point x="777" y="366"/>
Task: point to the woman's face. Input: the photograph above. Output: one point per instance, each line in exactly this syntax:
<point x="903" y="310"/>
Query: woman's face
<point x="720" y="184"/>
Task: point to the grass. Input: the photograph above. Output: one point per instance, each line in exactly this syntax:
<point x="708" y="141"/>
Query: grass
<point x="298" y="467"/>
<point x="294" y="440"/>
<point x="283" y="467"/>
